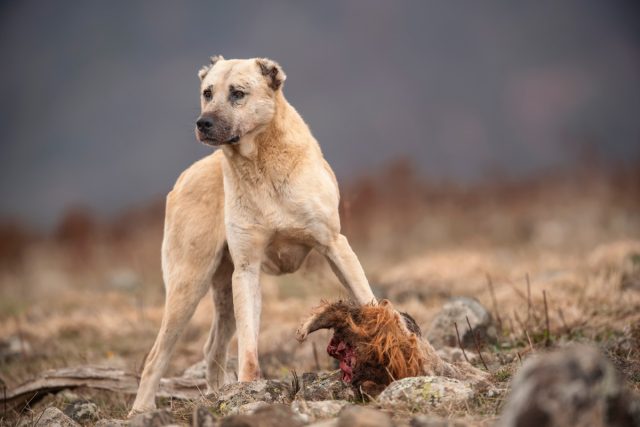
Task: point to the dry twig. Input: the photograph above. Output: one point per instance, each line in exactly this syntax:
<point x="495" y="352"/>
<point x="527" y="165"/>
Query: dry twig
<point x="315" y="356"/>
<point x="528" y="298"/>
<point x="529" y="339"/>
<point x="475" y="341"/>
<point x="547" y="332"/>
<point x="494" y="302"/>
<point x="460" y="342"/>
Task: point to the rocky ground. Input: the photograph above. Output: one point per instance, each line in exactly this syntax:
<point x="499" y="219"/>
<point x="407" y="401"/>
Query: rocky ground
<point x="556" y="382"/>
<point x="537" y="270"/>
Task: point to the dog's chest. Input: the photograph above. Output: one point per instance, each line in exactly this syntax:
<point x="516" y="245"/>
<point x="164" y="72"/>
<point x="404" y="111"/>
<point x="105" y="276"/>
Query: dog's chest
<point x="269" y="207"/>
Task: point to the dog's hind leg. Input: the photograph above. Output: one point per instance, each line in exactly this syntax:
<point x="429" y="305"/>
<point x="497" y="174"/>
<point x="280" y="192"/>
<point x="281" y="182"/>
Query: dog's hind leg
<point x="184" y="292"/>
<point x="223" y="326"/>
<point x="192" y="250"/>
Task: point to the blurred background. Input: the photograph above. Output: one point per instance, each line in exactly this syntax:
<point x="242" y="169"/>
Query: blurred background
<point x="469" y="138"/>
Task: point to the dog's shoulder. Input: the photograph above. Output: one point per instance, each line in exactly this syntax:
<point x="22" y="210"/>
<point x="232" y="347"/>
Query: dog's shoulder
<point x="200" y="181"/>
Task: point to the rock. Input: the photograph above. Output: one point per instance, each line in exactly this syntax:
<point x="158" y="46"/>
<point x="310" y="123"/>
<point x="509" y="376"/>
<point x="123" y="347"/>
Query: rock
<point x="199" y="370"/>
<point x="196" y="371"/>
<point x="202" y="417"/>
<point x="157" y="418"/>
<point x="232" y="396"/>
<point x="248" y="408"/>
<point x="82" y="411"/>
<point x="451" y="354"/>
<point x="630" y="278"/>
<point x="325" y="386"/>
<point x="112" y="423"/>
<point x="14" y="347"/>
<point x="52" y="417"/>
<point x="361" y="416"/>
<point x="333" y="422"/>
<point x="574" y="386"/>
<point x="68" y="396"/>
<point x="429" y="421"/>
<point x="276" y="415"/>
<point x="442" y="331"/>
<point x="421" y="394"/>
<point x="317" y="410"/>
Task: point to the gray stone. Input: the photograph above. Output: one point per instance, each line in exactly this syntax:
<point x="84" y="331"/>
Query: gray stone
<point x="13" y="348"/>
<point x="277" y="415"/>
<point x="199" y="370"/>
<point x="248" y="408"/>
<point x="52" y="417"/>
<point x="317" y="410"/>
<point x="82" y="411"/>
<point x="422" y="394"/>
<point x="159" y="418"/>
<point x="232" y="396"/>
<point x="333" y="422"/>
<point x="202" y="417"/>
<point x="574" y="386"/>
<point x="361" y="416"/>
<point x="429" y="421"/>
<point x="442" y="332"/>
<point x="630" y="278"/>
<point x="451" y="354"/>
<point x="112" y="423"/>
<point x="324" y="386"/>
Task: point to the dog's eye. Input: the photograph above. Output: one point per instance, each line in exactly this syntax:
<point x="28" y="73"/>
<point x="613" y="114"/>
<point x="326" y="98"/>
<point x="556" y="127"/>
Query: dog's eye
<point x="238" y="94"/>
<point x="207" y="94"/>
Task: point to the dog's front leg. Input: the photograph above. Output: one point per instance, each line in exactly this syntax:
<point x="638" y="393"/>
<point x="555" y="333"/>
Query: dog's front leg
<point x="247" y="251"/>
<point x="345" y="265"/>
<point x="347" y="268"/>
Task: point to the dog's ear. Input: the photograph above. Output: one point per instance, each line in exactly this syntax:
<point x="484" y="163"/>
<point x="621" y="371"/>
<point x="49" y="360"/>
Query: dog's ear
<point x="272" y="71"/>
<point x="205" y="69"/>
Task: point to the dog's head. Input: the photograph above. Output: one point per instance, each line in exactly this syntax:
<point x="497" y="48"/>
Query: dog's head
<point x="237" y="97"/>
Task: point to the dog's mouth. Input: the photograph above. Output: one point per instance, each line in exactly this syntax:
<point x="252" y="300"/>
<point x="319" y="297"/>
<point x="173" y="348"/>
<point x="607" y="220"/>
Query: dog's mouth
<point x="215" y="142"/>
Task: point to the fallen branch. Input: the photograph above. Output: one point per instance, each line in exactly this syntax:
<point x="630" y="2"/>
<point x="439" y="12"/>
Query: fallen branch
<point x="96" y="377"/>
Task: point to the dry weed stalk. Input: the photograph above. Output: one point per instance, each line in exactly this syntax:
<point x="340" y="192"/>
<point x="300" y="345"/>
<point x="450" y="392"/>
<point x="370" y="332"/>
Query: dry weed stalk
<point x="460" y="342"/>
<point x="547" y="332"/>
<point x="494" y="301"/>
<point x="475" y="341"/>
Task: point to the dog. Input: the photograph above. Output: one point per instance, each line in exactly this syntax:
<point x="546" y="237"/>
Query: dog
<point x="261" y="202"/>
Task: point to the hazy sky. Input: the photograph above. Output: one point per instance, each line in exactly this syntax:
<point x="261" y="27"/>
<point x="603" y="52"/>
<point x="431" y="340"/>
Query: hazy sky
<point x="99" y="98"/>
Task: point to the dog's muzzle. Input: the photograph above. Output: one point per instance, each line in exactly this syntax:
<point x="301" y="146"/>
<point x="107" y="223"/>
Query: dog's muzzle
<point x="214" y="132"/>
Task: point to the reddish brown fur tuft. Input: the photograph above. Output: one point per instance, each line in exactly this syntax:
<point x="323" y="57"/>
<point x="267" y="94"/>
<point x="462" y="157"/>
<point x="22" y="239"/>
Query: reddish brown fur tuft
<point x="387" y="346"/>
<point x="382" y="339"/>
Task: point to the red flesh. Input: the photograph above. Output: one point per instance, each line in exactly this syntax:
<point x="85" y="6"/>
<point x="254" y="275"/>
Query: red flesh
<point x="342" y="351"/>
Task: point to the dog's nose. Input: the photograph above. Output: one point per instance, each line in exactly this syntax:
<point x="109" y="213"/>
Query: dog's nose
<point x="204" y="124"/>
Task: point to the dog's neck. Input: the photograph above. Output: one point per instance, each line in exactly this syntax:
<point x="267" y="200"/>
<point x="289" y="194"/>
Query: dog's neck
<point x="273" y="152"/>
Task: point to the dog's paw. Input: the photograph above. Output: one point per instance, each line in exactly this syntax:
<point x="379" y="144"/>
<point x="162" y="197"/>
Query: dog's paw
<point x="137" y="411"/>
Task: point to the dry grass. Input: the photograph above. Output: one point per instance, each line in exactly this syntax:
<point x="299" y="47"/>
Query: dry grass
<point x="92" y="292"/>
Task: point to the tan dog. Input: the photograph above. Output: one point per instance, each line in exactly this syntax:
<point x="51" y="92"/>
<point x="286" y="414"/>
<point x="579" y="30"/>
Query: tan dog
<point x="262" y="202"/>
